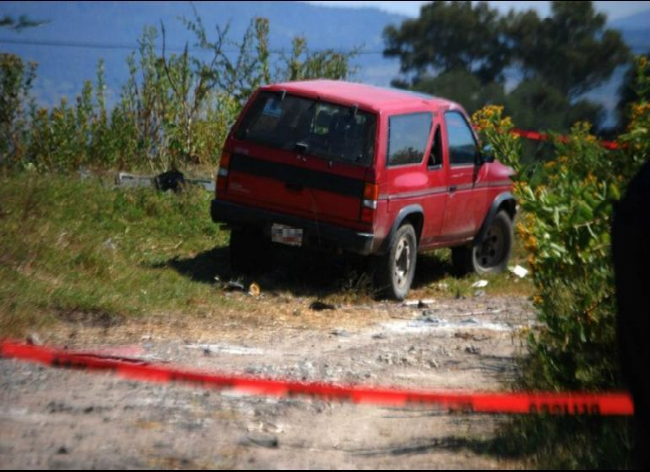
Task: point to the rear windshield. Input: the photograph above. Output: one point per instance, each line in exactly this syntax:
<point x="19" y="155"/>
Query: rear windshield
<point x="311" y="127"/>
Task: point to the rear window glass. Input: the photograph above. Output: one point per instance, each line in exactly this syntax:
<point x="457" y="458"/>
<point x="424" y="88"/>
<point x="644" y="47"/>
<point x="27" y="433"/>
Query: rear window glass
<point x="310" y="126"/>
<point x="408" y="136"/>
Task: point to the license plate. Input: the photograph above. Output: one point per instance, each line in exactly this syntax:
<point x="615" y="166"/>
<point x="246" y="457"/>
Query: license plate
<point x="286" y="235"/>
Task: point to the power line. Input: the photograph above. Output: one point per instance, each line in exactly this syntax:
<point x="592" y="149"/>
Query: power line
<point x="92" y="45"/>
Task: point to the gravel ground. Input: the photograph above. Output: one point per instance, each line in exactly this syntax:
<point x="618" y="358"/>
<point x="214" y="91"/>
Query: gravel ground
<point x="58" y="419"/>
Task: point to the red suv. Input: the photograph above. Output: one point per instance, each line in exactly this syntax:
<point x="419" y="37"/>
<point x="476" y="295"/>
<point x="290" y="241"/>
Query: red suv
<point x="363" y="169"/>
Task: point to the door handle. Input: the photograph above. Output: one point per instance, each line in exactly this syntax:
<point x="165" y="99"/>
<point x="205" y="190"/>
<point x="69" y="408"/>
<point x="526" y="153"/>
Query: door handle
<point x="453" y="188"/>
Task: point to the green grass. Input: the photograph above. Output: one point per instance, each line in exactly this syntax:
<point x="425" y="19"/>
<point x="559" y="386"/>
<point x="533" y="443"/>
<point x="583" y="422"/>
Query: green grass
<point x="84" y="250"/>
<point x="85" y="246"/>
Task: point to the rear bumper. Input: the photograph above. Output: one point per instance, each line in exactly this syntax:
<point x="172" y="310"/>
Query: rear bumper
<point x="315" y="234"/>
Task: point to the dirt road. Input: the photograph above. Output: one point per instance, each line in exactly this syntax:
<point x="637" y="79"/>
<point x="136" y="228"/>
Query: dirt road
<point x="61" y="419"/>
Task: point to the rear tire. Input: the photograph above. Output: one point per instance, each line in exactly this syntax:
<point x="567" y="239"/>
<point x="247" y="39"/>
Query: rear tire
<point x="395" y="270"/>
<point x="248" y="251"/>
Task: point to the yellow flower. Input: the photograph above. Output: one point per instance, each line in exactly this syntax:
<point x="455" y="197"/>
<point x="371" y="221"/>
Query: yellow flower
<point x="591" y="179"/>
<point x="638" y="112"/>
<point x="531" y="261"/>
<point x="530" y="219"/>
<point x="531" y="244"/>
<point x="520" y="187"/>
<point x="523" y="232"/>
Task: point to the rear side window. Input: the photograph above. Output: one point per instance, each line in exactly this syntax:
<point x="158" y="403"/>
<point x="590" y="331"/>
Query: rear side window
<point x="462" y="146"/>
<point x="408" y="136"/>
<point x="313" y="127"/>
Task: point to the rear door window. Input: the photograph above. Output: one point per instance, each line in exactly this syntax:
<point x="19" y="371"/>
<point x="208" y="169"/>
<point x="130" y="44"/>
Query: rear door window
<point x="407" y="138"/>
<point x="312" y="127"/>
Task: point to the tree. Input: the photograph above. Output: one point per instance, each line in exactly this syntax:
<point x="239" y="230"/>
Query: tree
<point x="536" y="104"/>
<point x="451" y="36"/>
<point x="463" y="87"/>
<point x="251" y="65"/>
<point x="305" y="65"/>
<point x="463" y="50"/>
<point x="635" y="86"/>
<point x="570" y="51"/>
<point x="16" y="79"/>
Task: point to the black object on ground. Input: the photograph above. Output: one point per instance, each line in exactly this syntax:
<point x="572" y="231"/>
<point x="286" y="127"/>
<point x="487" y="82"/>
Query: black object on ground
<point x="319" y="306"/>
<point x="170" y="180"/>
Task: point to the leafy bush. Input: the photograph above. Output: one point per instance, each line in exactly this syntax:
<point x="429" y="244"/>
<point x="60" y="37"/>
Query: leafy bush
<point x="16" y="80"/>
<point x="173" y="111"/>
<point x="566" y="208"/>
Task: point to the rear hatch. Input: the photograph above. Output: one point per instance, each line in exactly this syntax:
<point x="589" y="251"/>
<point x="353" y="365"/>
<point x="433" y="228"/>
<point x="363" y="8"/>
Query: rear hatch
<point x="302" y="156"/>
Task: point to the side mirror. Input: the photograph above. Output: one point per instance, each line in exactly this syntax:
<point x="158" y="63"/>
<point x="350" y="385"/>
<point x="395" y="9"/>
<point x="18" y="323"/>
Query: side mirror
<point x="486" y="155"/>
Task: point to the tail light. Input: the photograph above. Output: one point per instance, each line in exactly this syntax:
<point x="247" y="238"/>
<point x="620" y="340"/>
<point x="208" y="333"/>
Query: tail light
<point x="222" y="174"/>
<point x="369" y="202"/>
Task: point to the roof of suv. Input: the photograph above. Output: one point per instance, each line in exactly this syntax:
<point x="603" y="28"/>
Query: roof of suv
<point x="366" y="96"/>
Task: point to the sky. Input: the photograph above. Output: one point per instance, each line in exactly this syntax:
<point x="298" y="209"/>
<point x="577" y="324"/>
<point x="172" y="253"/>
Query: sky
<point x="614" y="10"/>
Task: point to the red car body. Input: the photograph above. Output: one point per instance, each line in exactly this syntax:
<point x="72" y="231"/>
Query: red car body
<point x="358" y="206"/>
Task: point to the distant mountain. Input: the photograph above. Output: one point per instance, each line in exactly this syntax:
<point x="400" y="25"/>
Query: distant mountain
<point x="635" y="30"/>
<point x="638" y="40"/>
<point x="110" y="30"/>
<point x="638" y="21"/>
<point x="80" y="33"/>
<point x="122" y="22"/>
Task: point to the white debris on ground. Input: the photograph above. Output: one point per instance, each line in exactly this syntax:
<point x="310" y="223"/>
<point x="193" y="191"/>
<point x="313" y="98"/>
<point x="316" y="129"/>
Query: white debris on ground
<point x="519" y="271"/>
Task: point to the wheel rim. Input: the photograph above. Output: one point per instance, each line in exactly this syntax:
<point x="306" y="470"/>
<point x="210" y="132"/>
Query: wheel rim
<point x="490" y="252"/>
<point x="402" y="262"/>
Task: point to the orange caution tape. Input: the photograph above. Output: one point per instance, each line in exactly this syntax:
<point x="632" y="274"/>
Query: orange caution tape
<point x="536" y="136"/>
<point x="605" y="404"/>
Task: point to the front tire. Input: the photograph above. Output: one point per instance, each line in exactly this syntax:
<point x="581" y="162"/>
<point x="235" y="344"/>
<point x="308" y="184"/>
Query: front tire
<point x="489" y="256"/>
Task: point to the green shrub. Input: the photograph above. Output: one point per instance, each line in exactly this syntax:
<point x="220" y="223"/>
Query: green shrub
<point x="567" y="208"/>
<point x="174" y="111"/>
